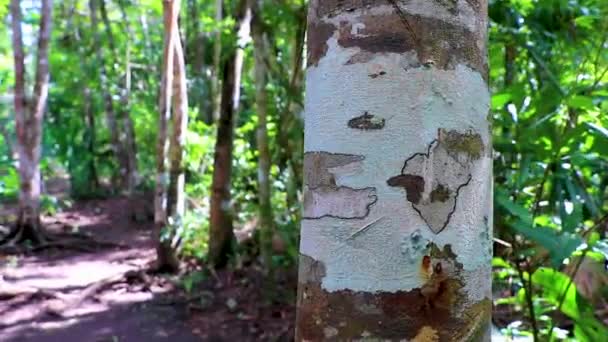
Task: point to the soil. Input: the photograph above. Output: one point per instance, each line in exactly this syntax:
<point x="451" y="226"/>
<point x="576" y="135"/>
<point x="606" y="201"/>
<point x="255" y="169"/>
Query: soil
<point x="106" y="295"/>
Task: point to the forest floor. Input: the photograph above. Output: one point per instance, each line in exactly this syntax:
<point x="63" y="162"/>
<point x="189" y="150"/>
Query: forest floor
<point x="106" y="294"/>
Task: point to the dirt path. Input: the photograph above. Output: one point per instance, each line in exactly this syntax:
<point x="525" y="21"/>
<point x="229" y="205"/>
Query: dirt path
<point x="51" y="305"/>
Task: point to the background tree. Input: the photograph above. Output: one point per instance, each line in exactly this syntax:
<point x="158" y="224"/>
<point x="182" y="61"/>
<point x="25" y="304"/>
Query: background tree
<point x="221" y="215"/>
<point x="28" y="123"/>
<point x="169" y="207"/>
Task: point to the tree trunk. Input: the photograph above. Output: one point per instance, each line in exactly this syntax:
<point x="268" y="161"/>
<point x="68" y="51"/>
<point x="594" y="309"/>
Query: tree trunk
<point x="396" y="230"/>
<point x="117" y="147"/>
<point x="89" y="121"/>
<point x="220" y="219"/>
<point x="166" y="258"/>
<point x="266" y="220"/>
<point x="195" y="50"/>
<point x="126" y="135"/>
<point x="28" y="118"/>
<point x="216" y="95"/>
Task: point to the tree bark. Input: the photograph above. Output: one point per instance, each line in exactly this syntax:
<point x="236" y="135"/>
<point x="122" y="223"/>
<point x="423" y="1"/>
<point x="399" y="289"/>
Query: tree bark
<point x="216" y="94"/>
<point x="220" y="219"/>
<point x="28" y="117"/>
<point x="166" y="258"/>
<point x="266" y="219"/>
<point x="396" y="230"/>
<point x="195" y="50"/>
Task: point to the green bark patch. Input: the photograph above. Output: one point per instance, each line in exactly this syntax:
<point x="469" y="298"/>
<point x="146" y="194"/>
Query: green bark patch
<point x="440" y="193"/>
<point x="433" y="180"/>
<point x="469" y="142"/>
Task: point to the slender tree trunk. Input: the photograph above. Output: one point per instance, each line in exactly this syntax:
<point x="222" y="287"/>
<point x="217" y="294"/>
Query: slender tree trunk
<point x="266" y="220"/>
<point x="117" y="147"/>
<point x="165" y="254"/>
<point x="195" y="50"/>
<point x="28" y="118"/>
<point x="290" y="122"/>
<point x="126" y="135"/>
<point x="89" y="120"/>
<point x="396" y="237"/>
<point x="216" y="94"/>
<point x="220" y="219"/>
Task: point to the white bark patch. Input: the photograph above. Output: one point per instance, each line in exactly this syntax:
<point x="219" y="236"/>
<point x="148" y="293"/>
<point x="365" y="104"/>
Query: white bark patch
<point x="416" y="102"/>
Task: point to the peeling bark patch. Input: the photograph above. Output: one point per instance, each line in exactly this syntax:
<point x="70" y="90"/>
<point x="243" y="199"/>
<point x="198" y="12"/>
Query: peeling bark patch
<point x="310" y="269"/>
<point x="437" y="43"/>
<point x="342" y="202"/>
<point x="433" y="180"/>
<point x="367" y="121"/>
<point x="318" y="34"/>
<point x="324" y="198"/>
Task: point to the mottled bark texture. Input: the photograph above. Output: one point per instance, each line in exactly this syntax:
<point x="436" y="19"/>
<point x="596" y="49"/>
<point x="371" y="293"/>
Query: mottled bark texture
<point x="28" y="119"/>
<point x="396" y="240"/>
<point x="173" y="105"/>
<point x="266" y="219"/>
<point x="221" y="235"/>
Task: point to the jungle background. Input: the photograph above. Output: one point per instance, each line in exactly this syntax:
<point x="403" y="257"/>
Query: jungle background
<point x="549" y="80"/>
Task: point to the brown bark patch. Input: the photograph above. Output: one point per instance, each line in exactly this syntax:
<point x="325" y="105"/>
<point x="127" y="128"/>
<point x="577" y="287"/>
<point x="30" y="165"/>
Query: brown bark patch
<point x="413" y="185"/>
<point x="438" y="306"/>
<point x="318" y="35"/>
<point x="367" y="121"/>
<point x="352" y="315"/>
<point x="436" y="42"/>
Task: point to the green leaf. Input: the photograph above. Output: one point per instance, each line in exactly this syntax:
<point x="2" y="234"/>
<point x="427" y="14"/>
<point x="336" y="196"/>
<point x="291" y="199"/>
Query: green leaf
<point x="557" y="288"/>
<point x="559" y="245"/>
<point x="499" y="100"/>
<point x="580" y="101"/>
<point x="515" y="209"/>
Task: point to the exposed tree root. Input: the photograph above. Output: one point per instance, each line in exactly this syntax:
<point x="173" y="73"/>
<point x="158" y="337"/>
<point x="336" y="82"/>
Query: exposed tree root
<point x="130" y="277"/>
<point x="15" y="243"/>
<point x="9" y="292"/>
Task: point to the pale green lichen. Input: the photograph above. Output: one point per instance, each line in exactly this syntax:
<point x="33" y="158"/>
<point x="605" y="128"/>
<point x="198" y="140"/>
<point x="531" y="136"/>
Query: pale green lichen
<point x="469" y="143"/>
